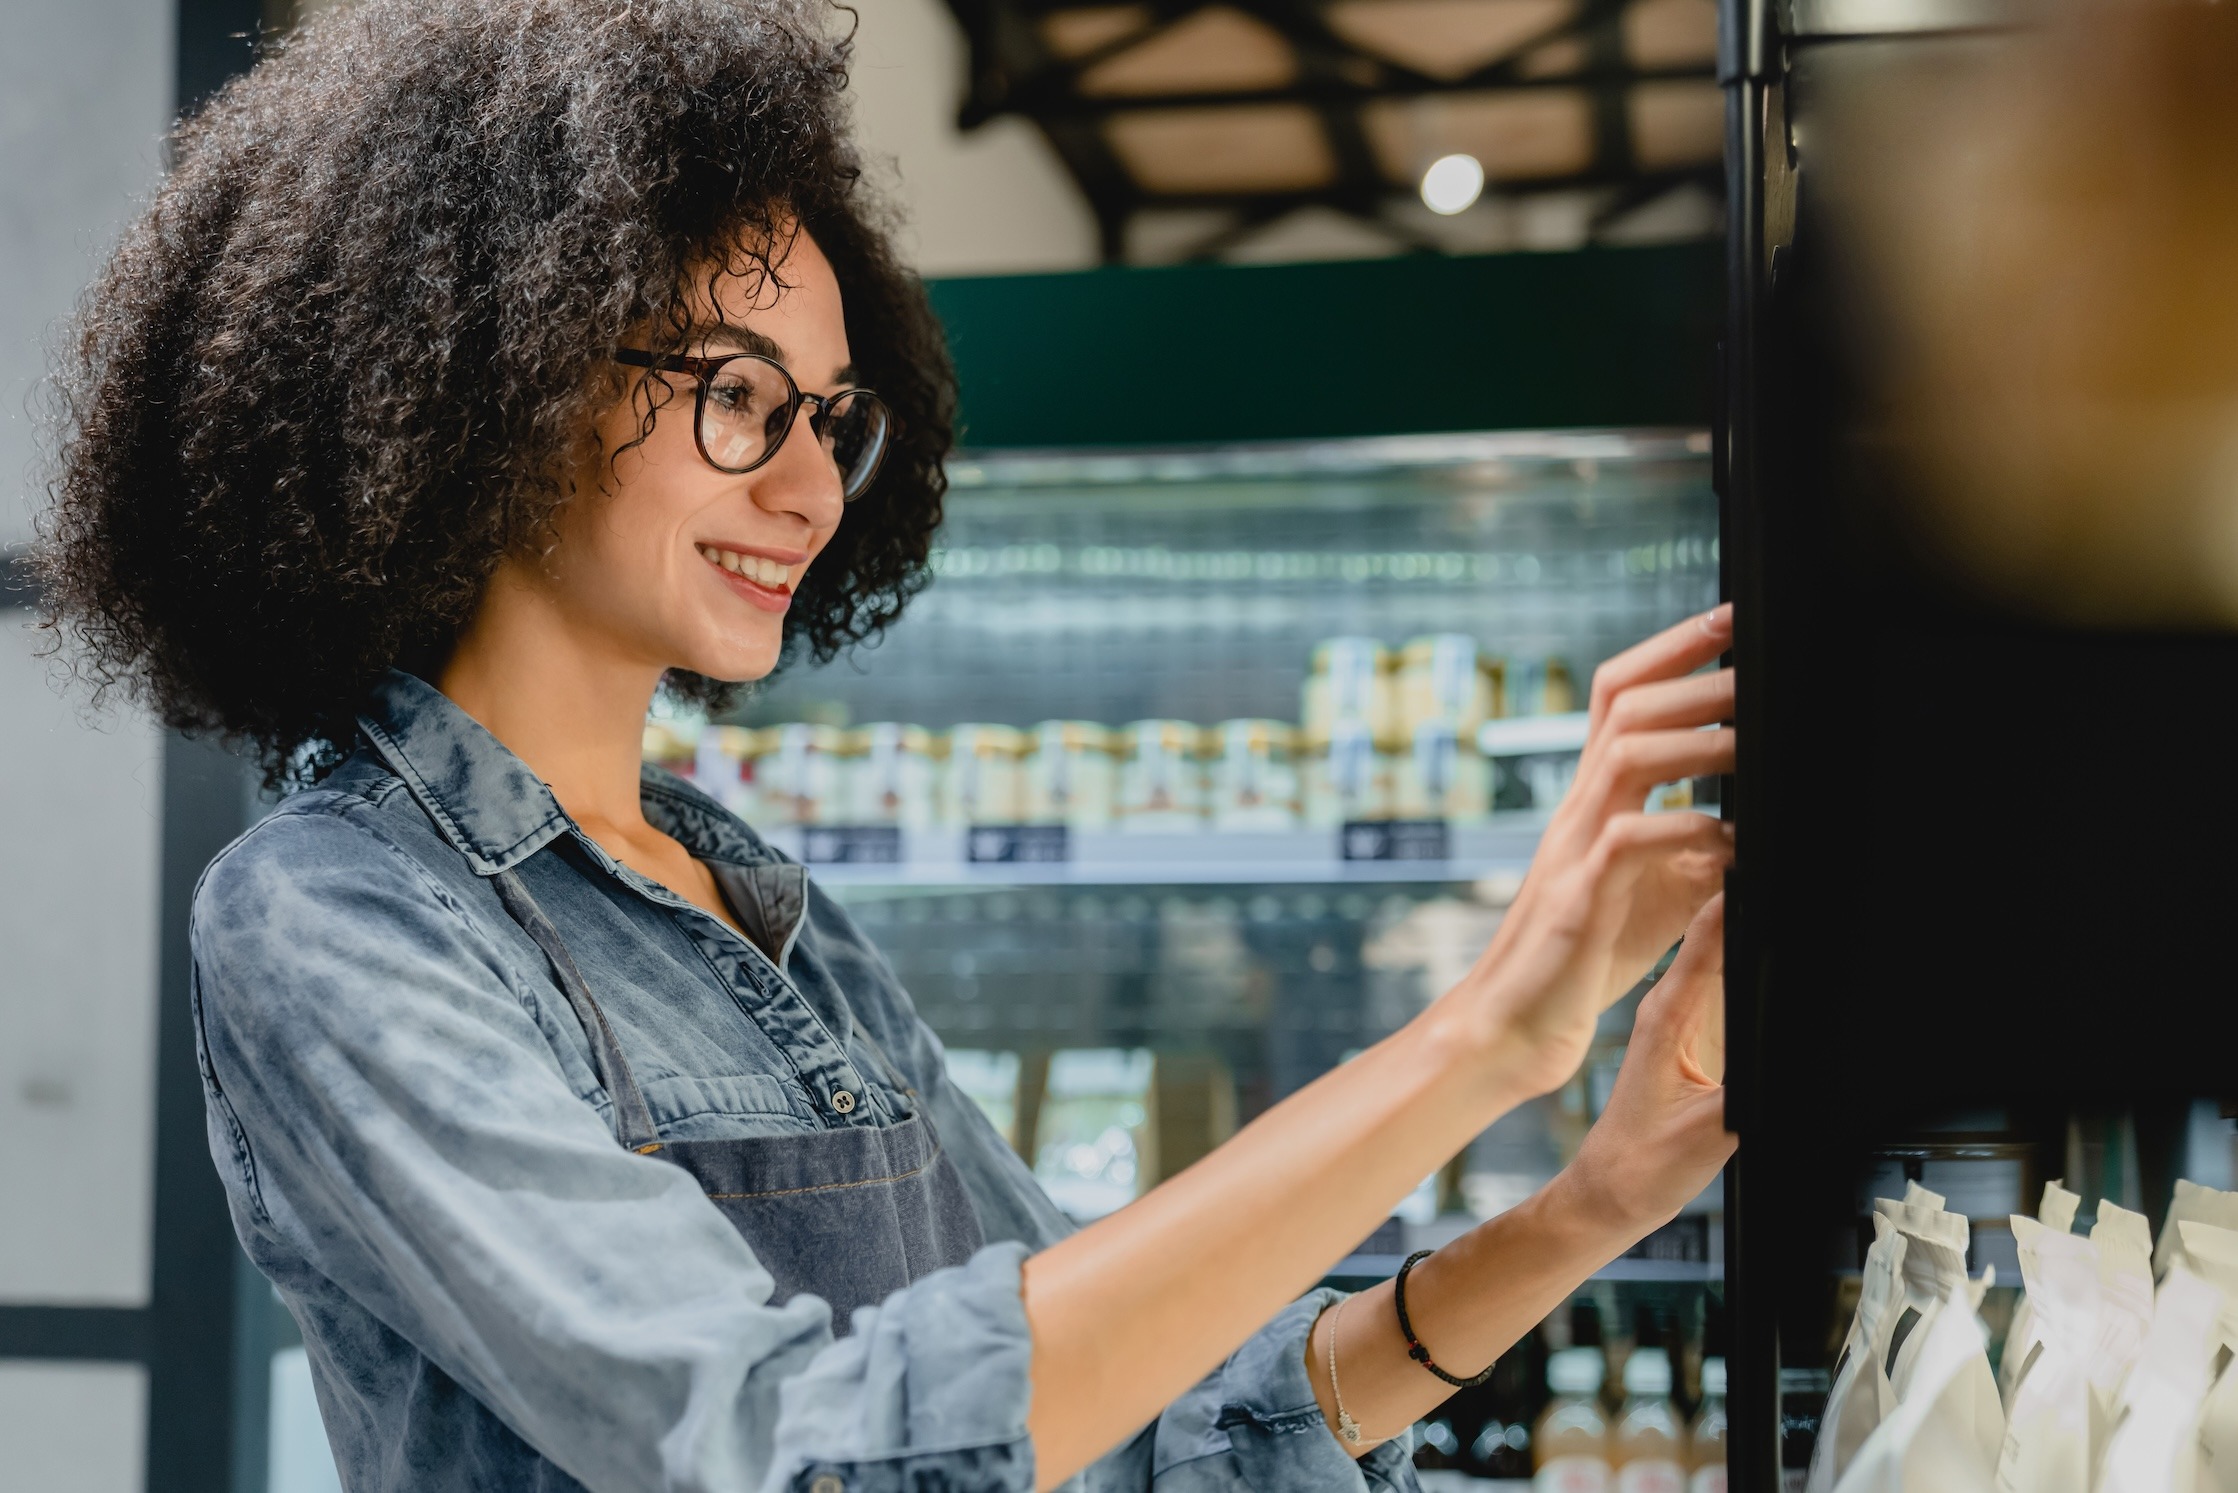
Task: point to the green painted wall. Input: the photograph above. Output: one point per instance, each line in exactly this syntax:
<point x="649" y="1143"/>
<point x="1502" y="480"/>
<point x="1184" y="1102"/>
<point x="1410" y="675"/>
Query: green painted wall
<point x="1115" y="357"/>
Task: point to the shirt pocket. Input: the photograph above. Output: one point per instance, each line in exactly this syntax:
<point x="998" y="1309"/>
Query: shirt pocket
<point x="729" y="1107"/>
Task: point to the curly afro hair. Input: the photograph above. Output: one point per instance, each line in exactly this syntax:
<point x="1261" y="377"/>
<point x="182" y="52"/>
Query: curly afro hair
<point x="339" y="367"/>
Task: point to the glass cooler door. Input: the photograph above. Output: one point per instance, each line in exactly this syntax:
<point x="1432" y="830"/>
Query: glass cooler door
<point x="1196" y="771"/>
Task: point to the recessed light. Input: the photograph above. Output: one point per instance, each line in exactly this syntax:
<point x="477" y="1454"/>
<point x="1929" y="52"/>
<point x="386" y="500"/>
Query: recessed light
<point x="1452" y="183"/>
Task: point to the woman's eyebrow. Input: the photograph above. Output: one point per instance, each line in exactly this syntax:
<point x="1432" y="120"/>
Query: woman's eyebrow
<point x="745" y="339"/>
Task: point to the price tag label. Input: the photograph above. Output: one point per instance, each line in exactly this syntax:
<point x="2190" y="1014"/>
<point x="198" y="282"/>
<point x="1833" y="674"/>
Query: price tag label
<point x="1013" y="844"/>
<point x="851" y="844"/>
<point x="1395" y="840"/>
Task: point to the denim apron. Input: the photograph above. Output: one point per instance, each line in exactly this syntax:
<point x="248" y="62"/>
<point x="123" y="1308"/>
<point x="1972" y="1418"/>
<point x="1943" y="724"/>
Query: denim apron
<point x="849" y="1215"/>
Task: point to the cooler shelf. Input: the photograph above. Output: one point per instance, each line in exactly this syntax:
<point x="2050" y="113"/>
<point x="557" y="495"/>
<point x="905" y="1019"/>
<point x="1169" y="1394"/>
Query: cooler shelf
<point x="1371" y="1268"/>
<point x="950" y="858"/>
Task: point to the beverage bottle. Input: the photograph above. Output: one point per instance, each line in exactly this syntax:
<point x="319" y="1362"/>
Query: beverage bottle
<point x="1707" y="1443"/>
<point x="1647" y="1450"/>
<point x="1571" y="1446"/>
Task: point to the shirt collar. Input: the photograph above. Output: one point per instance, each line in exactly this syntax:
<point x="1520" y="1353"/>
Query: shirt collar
<point x="495" y="812"/>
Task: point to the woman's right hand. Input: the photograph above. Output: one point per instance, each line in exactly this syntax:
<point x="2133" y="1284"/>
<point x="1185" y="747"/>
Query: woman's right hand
<point x="1612" y="887"/>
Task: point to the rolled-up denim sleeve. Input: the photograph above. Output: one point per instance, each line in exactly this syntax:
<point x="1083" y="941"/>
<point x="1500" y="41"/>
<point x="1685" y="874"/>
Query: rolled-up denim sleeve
<point x="384" y="1102"/>
<point x="1253" y="1423"/>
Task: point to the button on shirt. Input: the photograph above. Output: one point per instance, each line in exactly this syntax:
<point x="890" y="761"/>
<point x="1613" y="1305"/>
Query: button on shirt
<point x="493" y="1294"/>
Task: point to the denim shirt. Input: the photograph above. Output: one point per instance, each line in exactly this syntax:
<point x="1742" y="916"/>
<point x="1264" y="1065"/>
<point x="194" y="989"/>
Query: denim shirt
<point x="493" y="1294"/>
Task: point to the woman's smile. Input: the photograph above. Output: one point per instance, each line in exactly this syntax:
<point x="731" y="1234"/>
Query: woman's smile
<point x="762" y="577"/>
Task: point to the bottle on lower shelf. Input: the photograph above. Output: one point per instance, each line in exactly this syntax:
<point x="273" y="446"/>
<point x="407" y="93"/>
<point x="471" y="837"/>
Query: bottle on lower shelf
<point x="1647" y="1451"/>
<point x="1570" y="1448"/>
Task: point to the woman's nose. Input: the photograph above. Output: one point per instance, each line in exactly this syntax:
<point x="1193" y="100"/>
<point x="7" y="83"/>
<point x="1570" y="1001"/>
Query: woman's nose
<point x="803" y="479"/>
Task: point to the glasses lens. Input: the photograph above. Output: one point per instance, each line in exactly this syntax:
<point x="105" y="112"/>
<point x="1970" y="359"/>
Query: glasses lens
<point x="748" y="406"/>
<point x="854" y="432"/>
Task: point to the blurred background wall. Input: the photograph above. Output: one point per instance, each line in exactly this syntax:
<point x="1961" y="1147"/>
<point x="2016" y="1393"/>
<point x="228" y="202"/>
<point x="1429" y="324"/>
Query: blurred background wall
<point x="85" y="90"/>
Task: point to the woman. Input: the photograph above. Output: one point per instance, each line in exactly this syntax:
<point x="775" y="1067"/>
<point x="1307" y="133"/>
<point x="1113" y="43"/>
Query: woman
<point x="480" y="366"/>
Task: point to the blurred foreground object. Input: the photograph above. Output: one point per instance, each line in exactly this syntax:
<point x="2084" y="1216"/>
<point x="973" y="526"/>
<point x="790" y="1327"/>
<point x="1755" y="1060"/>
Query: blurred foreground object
<point x="2045" y="241"/>
<point x="1981" y="384"/>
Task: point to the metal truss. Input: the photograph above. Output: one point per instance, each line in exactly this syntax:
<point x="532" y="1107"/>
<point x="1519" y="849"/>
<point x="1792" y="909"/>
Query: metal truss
<point x="1015" y="71"/>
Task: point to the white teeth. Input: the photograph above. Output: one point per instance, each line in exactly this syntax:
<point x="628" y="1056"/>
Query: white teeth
<point x="752" y="567"/>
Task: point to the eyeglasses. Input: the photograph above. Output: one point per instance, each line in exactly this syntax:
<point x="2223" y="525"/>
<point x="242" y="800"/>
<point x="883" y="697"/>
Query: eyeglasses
<point x="747" y="405"/>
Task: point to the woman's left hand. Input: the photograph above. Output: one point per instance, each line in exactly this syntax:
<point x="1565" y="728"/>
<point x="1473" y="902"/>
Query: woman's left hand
<point x="1662" y="1137"/>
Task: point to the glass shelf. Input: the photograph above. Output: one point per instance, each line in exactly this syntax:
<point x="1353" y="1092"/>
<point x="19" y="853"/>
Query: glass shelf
<point x="942" y="858"/>
<point x="1353" y="1269"/>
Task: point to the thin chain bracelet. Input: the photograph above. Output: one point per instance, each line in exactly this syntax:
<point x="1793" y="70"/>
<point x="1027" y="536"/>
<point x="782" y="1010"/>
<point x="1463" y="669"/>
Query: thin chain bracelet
<point x="1347" y="1427"/>
<point x="1415" y="1350"/>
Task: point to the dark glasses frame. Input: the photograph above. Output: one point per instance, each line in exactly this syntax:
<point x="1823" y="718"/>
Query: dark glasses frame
<point x="820" y="405"/>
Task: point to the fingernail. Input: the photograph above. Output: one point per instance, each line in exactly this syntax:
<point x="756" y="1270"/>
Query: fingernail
<point x="1718" y="621"/>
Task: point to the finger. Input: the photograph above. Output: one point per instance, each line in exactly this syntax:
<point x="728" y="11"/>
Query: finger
<point x="1705" y="936"/>
<point x="1644" y="837"/>
<point x="1670" y="654"/>
<point x="1696" y="967"/>
<point x="1694" y="845"/>
<point x="1638" y="760"/>
<point x="1666" y="704"/>
<point x="1686" y="1008"/>
<point x="1708" y="1046"/>
<point x="1616" y="779"/>
<point x="1701" y="953"/>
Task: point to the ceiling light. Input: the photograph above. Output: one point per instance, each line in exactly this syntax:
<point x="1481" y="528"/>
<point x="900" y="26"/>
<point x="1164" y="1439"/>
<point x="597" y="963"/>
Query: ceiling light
<point x="1452" y="183"/>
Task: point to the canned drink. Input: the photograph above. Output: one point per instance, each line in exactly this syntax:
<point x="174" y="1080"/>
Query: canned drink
<point x="1347" y="779"/>
<point x="894" y="778"/>
<point x="1255" y="776"/>
<point x="1161" y="777"/>
<point x="723" y="767"/>
<point x="1351" y="680"/>
<point x="1443" y="776"/>
<point x="1545" y="687"/>
<point x="1071" y="777"/>
<point x="1447" y="677"/>
<point x="983" y="780"/>
<point x="798" y="775"/>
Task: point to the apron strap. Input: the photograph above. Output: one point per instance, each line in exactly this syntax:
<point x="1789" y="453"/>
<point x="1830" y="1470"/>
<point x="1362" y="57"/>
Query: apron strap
<point x="633" y="1121"/>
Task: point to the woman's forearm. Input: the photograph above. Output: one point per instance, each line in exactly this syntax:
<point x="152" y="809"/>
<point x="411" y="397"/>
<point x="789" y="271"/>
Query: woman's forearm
<point x="1470" y="1302"/>
<point x="1128" y="1313"/>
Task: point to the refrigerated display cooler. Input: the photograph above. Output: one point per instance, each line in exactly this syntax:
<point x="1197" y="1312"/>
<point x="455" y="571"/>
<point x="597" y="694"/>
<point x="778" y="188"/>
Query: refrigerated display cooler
<point x="1122" y="979"/>
<point x="1977" y="921"/>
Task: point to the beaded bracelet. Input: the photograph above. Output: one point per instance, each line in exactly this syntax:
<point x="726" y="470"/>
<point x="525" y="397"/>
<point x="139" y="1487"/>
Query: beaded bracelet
<point x="1415" y="1350"/>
